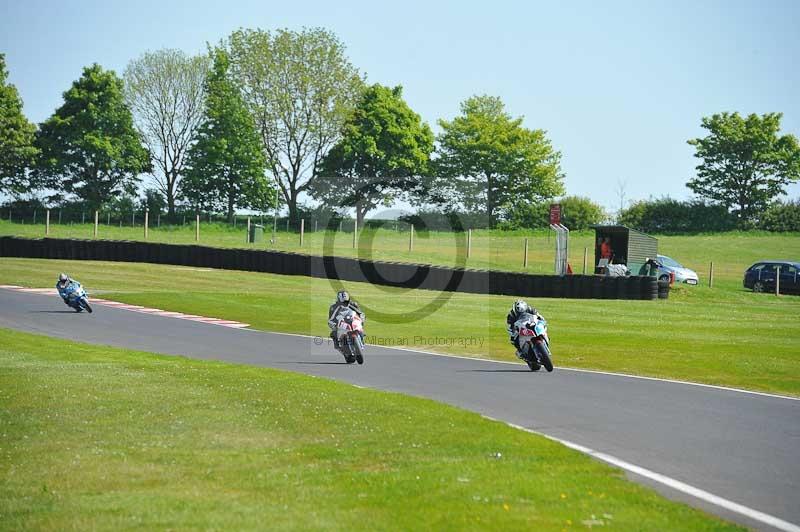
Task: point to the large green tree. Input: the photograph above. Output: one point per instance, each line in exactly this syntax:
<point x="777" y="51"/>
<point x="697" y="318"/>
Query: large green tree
<point x="89" y="147"/>
<point x="745" y="164"/>
<point x="16" y="137"/>
<point x="164" y="89"/>
<point x="384" y="149"/>
<point x="225" y="167"/>
<point x="299" y="87"/>
<point x="489" y="162"/>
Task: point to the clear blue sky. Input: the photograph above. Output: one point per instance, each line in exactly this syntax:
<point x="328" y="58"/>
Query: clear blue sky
<point x="618" y="86"/>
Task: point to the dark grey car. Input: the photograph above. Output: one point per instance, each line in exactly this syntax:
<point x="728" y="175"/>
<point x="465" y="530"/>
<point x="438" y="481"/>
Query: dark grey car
<point x="761" y="276"/>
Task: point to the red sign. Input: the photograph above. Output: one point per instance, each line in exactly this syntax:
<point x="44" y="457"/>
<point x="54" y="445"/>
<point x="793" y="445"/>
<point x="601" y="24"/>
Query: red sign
<point x="555" y="213"/>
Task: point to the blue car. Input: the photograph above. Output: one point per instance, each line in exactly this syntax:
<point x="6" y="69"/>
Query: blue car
<point x="682" y="274"/>
<point x="760" y="277"/>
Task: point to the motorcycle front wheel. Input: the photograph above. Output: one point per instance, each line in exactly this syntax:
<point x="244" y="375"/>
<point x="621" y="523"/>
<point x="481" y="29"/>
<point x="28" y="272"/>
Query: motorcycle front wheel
<point x="544" y="355"/>
<point x="530" y="358"/>
<point x="358" y="350"/>
<point x="85" y="304"/>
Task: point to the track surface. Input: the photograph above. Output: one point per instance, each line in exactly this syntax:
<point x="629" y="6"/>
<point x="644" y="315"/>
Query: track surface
<point x="742" y="447"/>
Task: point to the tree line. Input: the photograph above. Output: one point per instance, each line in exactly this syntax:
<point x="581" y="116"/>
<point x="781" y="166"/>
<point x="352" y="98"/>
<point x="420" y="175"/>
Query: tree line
<point x="264" y="118"/>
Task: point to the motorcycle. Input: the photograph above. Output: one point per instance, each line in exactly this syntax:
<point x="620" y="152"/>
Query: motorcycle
<point x="350" y="332"/>
<point x="534" y="342"/>
<point x="75" y="296"/>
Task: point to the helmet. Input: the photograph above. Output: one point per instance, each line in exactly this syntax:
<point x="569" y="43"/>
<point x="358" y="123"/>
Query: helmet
<point x="521" y="307"/>
<point x="342" y="297"/>
<point x="62" y="278"/>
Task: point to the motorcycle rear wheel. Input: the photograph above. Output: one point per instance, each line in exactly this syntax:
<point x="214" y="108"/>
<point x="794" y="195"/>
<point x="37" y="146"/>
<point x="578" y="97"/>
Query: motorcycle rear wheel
<point x="544" y="356"/>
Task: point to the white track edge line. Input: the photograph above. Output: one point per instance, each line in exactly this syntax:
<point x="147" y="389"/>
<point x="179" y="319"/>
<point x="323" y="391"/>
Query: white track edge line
<point x="563" y="368"/>
<point x="670" y="482"/>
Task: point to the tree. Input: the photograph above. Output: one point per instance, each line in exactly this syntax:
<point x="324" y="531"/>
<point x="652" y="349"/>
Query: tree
<point x="225" y="166"/>
<point x="89" y="146"/>
<point x="17" y="151"/>
<point x="164" y="89"/>
<point x="384" y="146"/>
<point x="781" y="217"/>
<point x="488" y="160"/>
<point x="745" y="163"/>
<point x="667" y="215"/>
<point x="299" y="88"/>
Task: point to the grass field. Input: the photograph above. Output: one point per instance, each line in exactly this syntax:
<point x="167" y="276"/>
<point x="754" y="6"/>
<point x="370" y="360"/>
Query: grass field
<point x="100" y="438"/>
<point x="731" y="253"/>
<point x="727" y="337"/>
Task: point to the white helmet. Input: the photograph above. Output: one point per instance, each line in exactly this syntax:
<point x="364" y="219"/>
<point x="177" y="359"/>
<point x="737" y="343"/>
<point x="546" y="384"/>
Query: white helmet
<point x="342" y="297"/>
<point x="521" y="307"/>
<point x="62" y="278"/>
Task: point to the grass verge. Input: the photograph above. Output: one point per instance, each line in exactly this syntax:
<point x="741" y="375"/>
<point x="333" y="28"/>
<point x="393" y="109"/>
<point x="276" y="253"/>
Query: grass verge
<point x="102" y="438"/>
<point x="728" y="338"/>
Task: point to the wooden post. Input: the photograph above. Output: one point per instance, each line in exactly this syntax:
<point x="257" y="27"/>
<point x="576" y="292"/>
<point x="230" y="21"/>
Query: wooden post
<point x="59" y="216"/>
<point x="355" y="232"/>
<point x="34" y="216"/>
<point x="711" y="275"/>
<point x="158" y="220"/>
<point x="247" y="235"/>
<point x="469" y="243"/>
<point x="133" y="218"/>
<point x="315" y="225"/>
<point x="411" y="239"/>
<point x="778" y="281"/>
<point x="83" y="218"/>
<point x="47" y="223"/>
<point x="146" y="222"/>
<point x="197" y="228"/>
<point x="96" y="214"/>
<point x="287" y="224"/>
<point x="108" y="218"/>
<point x="302" y="230"/>
<point x="585" y="259"/>
<point x="525" y="259"/>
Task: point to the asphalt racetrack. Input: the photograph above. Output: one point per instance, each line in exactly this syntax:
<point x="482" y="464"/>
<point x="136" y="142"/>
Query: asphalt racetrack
<point x="731" y="453"/>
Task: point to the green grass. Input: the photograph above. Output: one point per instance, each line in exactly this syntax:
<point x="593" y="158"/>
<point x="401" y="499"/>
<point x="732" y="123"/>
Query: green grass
<point x="725" y="337"/>
<point x="102" y="438"/>
<point x="731" y="253"/>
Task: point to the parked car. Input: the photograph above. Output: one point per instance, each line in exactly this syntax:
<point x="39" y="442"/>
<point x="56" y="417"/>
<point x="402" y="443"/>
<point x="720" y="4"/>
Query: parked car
<point x="760" y="277"/>
<point x="667" y="265"/>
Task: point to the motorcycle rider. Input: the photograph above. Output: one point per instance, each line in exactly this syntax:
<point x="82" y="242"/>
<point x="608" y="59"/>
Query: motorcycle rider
<point x="519" y="308"/>
<point x="342" y="302"/>
<point x="63" y="284"/>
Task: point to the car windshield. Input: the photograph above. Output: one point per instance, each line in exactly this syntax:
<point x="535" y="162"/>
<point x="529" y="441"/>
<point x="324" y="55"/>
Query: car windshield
<point x="666" y="261"/>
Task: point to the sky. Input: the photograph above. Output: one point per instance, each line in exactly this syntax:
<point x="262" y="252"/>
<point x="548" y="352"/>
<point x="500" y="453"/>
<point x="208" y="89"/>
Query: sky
<point x="619" y="87"/>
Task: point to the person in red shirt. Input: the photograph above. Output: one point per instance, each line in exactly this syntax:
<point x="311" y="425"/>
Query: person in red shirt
<point x="605" y="249"/>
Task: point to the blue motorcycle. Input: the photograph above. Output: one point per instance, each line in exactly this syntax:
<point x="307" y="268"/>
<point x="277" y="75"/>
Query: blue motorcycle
<point x="75" y="296"/>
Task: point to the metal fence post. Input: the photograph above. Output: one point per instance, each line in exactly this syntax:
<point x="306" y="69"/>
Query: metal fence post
<point x="525" y="259"/>
<point x="95" y="223"/>
<point x="585" y="259"/>
<point x="302" y="230"/>
<point x="247" y="235"/>
<point x="47" y="223"/>
<point x="146" y="222"/>
<point x="355" y="232"/>
<point x="778" y="281"/>
<point x="411" y="239"/>
<point x="197" y="229"/>
<point x="711" y="275"/>
<point x="469" y="241"/>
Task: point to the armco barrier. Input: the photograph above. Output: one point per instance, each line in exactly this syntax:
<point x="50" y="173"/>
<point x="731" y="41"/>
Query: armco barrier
<point x="396" y="274"/>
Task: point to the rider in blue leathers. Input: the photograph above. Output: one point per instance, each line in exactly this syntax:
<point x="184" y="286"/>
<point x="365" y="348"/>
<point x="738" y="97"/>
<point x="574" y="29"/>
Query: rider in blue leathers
<point x="66" y="286"/>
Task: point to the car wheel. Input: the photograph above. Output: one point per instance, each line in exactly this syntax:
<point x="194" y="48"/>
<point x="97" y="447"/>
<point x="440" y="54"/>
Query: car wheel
<point x="758" y="286"/>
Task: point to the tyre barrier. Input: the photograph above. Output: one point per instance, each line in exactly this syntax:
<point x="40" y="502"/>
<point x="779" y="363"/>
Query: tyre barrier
<point x="397" y="274"/>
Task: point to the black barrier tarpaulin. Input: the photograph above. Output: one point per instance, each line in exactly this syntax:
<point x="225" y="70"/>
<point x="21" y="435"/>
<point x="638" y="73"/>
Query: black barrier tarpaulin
<point x="402" y="275"/>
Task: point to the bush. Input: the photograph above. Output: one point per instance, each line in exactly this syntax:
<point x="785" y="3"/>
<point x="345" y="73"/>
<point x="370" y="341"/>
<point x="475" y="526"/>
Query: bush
<point x="433" y="220"/>
<point x="576" y="213"/>
<point x="781" y="217"/>
<point x="667" y="215"/>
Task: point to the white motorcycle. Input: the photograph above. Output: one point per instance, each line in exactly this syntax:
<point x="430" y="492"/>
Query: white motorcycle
<point x="534" y="343"/>
<point x="350" y="333"/>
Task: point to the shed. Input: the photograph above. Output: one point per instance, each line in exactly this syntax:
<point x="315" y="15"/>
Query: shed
<point x="630" y="247"/>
